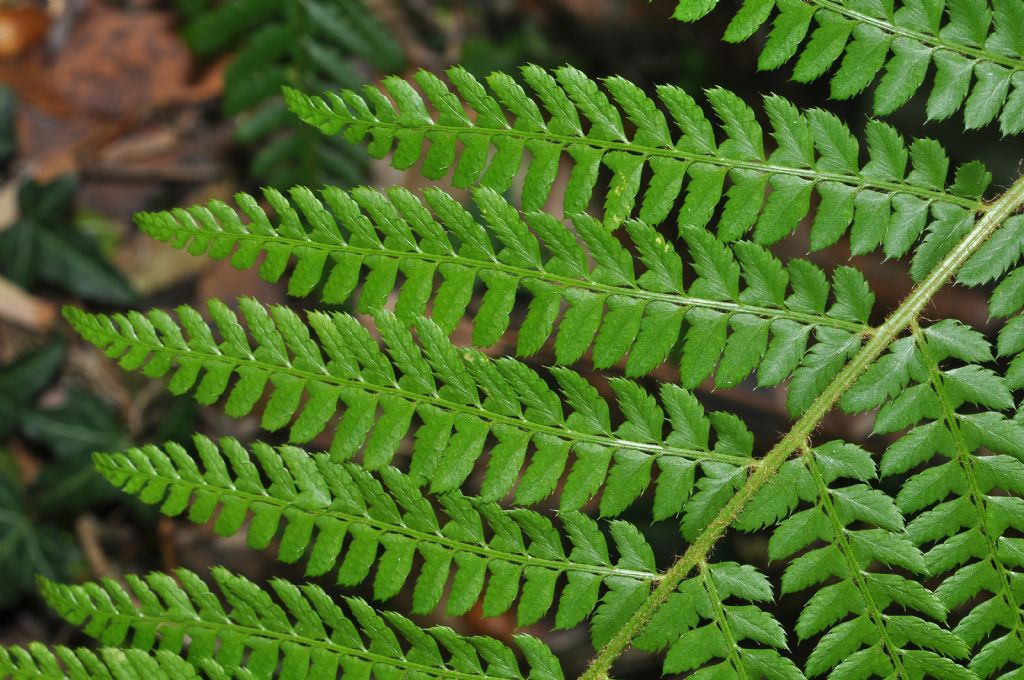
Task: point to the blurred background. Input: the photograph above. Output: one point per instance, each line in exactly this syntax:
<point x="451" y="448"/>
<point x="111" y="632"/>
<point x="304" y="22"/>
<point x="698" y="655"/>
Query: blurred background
<point x="112" y="107"/>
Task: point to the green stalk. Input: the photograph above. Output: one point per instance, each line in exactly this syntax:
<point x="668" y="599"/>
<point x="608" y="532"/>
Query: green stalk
<point x="907" y="313"/>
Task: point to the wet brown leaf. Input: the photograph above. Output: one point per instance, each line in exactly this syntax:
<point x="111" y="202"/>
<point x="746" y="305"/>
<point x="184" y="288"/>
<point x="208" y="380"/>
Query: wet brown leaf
<point x="21" y="29"/>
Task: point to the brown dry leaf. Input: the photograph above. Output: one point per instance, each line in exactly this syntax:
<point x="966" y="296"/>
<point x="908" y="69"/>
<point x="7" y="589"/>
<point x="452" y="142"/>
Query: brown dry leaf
<point x="56" y="163"/>
<point x="502" y="627"/>
<point x="118" y="63"/>
<point x="9" y="203"/>
<point x="25" y="310"/>
<point x="90" y="368"/>
<point x="143" y="145"/>
<point x="151" y="266"/>
<point x="29" y="80"/>
<point x="28" y="465"/>
<point x="21" y="29"/>
<point x="180" y="150"/>
<point x="117" y="69"/>
<point x="590" y="10"/>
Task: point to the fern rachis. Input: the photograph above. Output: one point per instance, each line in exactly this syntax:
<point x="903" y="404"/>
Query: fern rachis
<point x="907" y="565"/>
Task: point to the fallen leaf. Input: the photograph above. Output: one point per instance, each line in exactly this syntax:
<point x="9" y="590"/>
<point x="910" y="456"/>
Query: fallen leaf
<point x="119" y="63"/>
<point x="21" y="28"/>
<point x="9" y="203"/>
<point x="27" y="311"/>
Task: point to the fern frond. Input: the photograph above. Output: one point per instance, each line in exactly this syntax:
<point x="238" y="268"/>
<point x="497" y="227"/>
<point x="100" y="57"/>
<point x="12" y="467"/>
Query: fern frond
<point x="743" y="306"/>
<point x="701" y="624"/>
<point x="976" y="47"/>
<point x="296" y="631"/>
<point x="816" y="153"/>
<point x="861" y="634"/>
<point x="37" y="662"/>
<point x="773" y="462"/>
<point x="305" y="44"/>
<point x="964" y="501"/>
<point x="907" y="572"/>
<point x="462" y="399"/>
<point x="376" y="524"/>
<point x="990" y="264"/>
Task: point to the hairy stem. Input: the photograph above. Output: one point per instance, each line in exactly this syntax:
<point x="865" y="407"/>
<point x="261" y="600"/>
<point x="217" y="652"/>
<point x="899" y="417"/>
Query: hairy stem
<point x="723" y="625"/>
<point x="908" y="312"/>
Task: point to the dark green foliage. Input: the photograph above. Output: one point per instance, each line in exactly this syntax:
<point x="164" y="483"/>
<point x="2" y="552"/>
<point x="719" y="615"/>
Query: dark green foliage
<point x="22" y="380"/>
<point x="43" y="246"/>
<point x="34" y="539"/>
<point x="31" y="543"/>
<point x="304" y="44"/>
<point x="44" y="251"/>
<point x="28" y="547"/>
<point x="8" y="141"/>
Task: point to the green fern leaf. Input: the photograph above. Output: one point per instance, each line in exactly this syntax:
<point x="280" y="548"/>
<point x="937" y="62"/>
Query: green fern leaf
<point x="468" y="398"/>
<point x="333" y="513"/>
<point x="744" y="307"/>
<point x="907" y="569"/>
<point x="702" y="622"/>
<point x="851" y="613"/>
<point x="37" y="662"/>
<point x="816" y="152"/>
<point x="294" y="630"/>
<point x="957" y="503"/>
<point x="975" y="47"/>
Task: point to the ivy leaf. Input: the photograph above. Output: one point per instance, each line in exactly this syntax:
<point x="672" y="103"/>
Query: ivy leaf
<point x="23" y="379"/>
<point x="43" y="246"/>
<point x="84" y="424"/>
<point x="34" y="548"/>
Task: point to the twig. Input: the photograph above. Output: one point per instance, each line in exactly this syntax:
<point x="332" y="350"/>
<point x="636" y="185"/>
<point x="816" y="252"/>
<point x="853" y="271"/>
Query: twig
<point x="87" y="531"/>
<point x="165" y="541"/>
